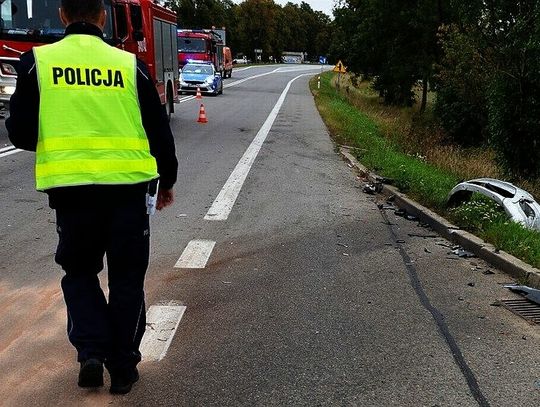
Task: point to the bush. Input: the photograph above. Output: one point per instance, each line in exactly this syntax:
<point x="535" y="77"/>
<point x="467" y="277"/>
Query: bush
<point x="461" y="84"/>
<point x="463" y="121"/>
<point x="514" y="124"/>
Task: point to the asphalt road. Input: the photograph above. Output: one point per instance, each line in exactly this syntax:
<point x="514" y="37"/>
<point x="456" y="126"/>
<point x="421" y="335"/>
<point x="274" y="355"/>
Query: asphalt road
<point x="311" y="296"/>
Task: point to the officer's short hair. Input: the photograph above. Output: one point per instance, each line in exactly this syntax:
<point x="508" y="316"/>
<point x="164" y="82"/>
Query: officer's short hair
<point x="82" y="10"/>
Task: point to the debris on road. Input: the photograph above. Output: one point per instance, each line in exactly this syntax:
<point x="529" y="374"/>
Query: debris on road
<point x="531" y="294"/>
<point x="422" y="236"/>
<point x="342" y="245"/>
<point x="373" y="188"/>
<point x="461" y="252"/>
<point x="386" y="181"/>
<point x="448" y="245"/>
<point x="384" y="207"/>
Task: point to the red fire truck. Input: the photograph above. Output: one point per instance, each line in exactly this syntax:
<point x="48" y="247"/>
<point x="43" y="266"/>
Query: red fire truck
<point x="202" y="45"/>
<point x="138" y="26"/>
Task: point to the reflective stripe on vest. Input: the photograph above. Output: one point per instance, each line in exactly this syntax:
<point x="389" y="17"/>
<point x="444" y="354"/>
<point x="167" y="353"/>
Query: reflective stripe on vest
<point x="90" y="126"/>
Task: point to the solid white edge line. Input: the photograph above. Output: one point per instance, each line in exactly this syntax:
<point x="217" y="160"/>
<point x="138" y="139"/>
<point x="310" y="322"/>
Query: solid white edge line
<point x="223" y="204"/>
<point x="162" y="321"/>
<point x="196" y="254"/>
<point x="228" y="85"/>
<point x="242" y="69"/>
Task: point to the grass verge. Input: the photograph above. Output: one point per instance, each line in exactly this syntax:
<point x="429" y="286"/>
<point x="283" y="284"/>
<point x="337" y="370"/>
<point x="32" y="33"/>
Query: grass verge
<point x="380" y="147"/>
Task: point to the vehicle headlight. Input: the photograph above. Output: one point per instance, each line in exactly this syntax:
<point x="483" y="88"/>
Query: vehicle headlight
<point x="209" y="80"/>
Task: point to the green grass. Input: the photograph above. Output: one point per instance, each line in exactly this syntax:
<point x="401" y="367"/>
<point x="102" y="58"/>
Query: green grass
<point x="413" y="176"/>
<point x="513" y="238"/>
<point x="422" y="181"/>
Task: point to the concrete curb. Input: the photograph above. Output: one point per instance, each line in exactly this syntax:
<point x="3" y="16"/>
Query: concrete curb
<point x="499" y="259"/>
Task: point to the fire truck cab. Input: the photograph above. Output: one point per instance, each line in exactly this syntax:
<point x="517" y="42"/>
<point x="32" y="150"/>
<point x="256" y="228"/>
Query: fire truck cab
<point x="141" y="27"/>
<point x="204" y="45"/>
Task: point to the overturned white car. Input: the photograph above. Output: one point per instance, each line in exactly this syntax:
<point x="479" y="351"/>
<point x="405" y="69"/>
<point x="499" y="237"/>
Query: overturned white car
<point x="517" y="203"/>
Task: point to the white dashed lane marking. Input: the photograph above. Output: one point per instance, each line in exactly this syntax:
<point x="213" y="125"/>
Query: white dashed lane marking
<point x="196" y="254"/>
<point x="5" y="151"/>
<point x="161" y="324"/>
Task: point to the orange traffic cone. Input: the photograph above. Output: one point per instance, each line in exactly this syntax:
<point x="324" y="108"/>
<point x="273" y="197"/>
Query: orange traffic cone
<point x="199" y="96"/>
<point x="202" y="115"/>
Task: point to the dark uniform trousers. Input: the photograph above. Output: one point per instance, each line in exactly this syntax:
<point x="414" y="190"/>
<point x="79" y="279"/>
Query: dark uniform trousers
<point x="108" y="330"/>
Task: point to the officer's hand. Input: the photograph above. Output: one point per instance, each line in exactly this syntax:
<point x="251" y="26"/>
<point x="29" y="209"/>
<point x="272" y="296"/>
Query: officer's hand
<point x="165" y="198"/>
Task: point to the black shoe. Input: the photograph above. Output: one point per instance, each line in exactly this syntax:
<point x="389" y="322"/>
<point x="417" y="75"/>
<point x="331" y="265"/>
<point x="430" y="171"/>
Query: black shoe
<point x="122" y="381"/>
<point x="91" y="373"/>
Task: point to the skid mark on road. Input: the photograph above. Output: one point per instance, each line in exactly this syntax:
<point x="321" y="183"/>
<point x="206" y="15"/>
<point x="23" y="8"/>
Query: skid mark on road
<point x="438" y="317"/>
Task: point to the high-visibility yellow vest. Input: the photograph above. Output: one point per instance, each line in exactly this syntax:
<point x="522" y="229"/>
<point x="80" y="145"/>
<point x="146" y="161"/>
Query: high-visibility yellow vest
<point x="90" y="126"/>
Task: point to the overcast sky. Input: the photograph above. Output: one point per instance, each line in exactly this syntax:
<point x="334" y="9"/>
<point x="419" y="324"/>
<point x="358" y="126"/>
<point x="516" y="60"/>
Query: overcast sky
<point x="321" y="5"/>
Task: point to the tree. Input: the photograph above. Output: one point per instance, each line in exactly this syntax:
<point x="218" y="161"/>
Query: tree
<point x="200" y="13"/>
<point x="300" y="28"/>
<point x="495" y="48"/>
<point x="257" y="25"/>
<point x="394" y="41"/>
<point x="461" y="83"/>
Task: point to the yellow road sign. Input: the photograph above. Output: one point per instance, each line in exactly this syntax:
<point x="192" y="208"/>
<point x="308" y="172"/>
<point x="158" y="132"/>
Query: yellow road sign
<point x="340" y="67"/>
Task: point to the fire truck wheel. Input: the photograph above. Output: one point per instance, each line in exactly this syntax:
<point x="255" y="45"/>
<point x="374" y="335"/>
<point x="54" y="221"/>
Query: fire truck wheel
<point x="169" y="103"/>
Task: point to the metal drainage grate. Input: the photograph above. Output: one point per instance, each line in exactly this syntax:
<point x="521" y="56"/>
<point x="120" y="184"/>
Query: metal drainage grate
<point x="524" y="308"/>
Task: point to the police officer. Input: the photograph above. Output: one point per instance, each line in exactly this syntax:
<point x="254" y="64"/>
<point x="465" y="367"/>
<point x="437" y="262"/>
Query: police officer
<point x="101" y="136"/>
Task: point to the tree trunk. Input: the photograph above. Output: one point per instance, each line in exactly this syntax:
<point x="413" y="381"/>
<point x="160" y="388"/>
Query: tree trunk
<point x="424" y="94"/>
